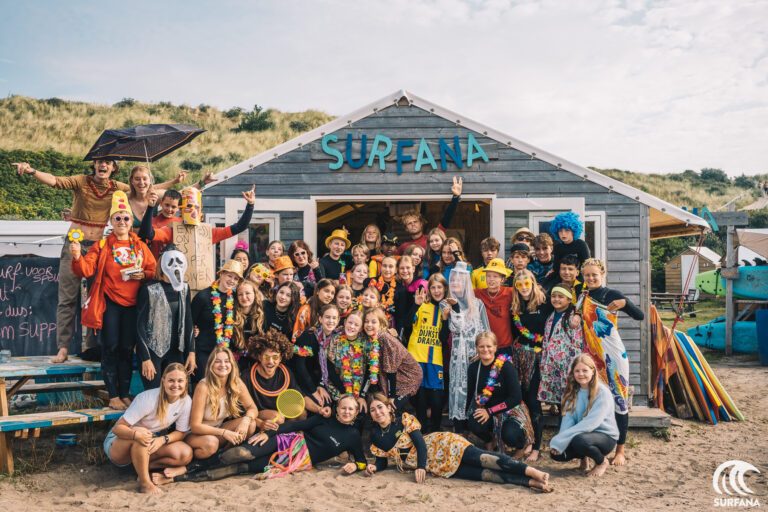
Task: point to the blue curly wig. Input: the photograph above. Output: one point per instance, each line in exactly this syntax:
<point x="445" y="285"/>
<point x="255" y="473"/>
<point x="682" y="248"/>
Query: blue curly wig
<point x="567" y="220"/>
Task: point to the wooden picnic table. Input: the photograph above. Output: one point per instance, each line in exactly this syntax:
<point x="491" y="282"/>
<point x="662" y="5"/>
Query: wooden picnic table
<point x="673" y="299"/>
<point x="21" y="370"/>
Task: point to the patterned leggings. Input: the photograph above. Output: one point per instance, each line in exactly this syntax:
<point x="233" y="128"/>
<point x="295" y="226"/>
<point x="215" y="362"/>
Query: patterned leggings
<point x="484" y="466"/>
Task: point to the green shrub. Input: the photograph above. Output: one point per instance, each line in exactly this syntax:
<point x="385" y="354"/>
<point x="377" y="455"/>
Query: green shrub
<point x="125" y="102"/>
<point x="744" y="182"/>
<point x="191" y="165"/>
<point x="716" y="175"/>
<point x="255" y="121"/>
<point x="233" y="112"/>
<point x="299" y="126"/>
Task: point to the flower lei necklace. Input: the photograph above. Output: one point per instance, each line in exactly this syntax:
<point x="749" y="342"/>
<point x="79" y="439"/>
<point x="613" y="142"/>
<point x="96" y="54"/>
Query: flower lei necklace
<point x="373" y="359"/>
<point x="483" y="398"/>
<point x="351" y="365"/>
<point x="223" y="330"/>
<point x="536" y="338"/>
<point x="303" y="351"/>
<point x="124" y="262"/>
<point x="111" y="187"/>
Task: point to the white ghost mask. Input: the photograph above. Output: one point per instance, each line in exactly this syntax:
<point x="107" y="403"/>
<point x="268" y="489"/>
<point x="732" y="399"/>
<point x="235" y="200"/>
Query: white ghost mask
<point x="173" y="264"/>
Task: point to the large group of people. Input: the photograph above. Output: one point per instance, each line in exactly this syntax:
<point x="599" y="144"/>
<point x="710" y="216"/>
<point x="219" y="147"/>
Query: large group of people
<point x="377" y="335"/>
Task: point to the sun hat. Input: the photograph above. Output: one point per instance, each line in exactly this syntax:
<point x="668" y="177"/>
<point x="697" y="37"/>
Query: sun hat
<point x="282" y="263"/>
<point x="341" y="235"/>
<point x="497" y="265"/>
<point x="233" y="266"/>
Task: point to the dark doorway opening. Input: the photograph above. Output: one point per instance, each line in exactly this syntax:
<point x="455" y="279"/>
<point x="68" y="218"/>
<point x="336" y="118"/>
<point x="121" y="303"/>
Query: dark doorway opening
<point x="470" y="224"/>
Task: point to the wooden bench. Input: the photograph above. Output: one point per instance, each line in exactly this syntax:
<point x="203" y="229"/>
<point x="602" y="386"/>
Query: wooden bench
<point x="28" y="426"/>
<point x="60" y="387"/>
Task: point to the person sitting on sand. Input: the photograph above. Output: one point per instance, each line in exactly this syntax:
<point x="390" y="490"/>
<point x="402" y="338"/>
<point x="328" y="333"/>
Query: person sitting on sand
<point x="494" y="399"/>
<point x="588" y="428"/>
<point x="295" y="446"/>
<point x="443" y="454"/>
<point x="220" y="395"/>
<point x="136" y="437"/>
<point x="267" y="377"/>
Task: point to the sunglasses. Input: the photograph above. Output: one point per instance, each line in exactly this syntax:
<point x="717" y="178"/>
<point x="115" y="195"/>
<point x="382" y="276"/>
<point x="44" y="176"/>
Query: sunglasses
<point x="525" y="237"/>
<point x="526" y="283"/>
<point x="300" y="253"/>
<point x="122" y="219"/>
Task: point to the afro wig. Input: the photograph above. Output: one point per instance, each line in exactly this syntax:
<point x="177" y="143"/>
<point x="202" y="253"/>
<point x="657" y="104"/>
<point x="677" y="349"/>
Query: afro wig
<point x="270" y="340"/>
<point x="568" y="220"/>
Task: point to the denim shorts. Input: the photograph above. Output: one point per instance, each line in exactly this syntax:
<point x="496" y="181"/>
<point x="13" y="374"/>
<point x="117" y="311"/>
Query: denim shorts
<point x="108" y="446"/>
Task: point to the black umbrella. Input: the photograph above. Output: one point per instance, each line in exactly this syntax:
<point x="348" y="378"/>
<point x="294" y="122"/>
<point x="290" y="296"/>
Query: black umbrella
<point x="146" y="142"/>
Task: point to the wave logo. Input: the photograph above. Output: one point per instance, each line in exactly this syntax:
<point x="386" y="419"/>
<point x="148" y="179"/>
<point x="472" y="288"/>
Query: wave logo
<point x="729" y="479"/>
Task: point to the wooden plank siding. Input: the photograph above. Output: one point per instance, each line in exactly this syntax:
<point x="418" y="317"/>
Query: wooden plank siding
<point x="304" y="172"/>
<point x="673" y="276"/>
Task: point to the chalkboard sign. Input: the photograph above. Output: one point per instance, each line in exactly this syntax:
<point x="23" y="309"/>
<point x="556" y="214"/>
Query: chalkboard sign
<point x="28" y="298"/>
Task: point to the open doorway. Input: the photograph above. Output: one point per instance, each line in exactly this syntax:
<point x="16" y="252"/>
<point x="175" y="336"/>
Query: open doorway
<point x="470" y="224"/>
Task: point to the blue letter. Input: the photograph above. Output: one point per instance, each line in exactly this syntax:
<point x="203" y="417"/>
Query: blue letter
<point x="376" y="152"/>
<point x="474" y="150"/>
<point x="455" y="154"/>
<point x="363" y="150"/>
<point x="400" y="156"/>
<point x="334" y="166"/>
<point x="425" y="156"/>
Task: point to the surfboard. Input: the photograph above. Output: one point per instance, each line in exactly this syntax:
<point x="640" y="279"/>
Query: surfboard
<point x="712" y="335"/>
<point x="690" y="396"/>
<point x="720" y="411"/>
<point x="726" y="398"/>
<point x="751" y="284"/>
<point x="704" y="400"/>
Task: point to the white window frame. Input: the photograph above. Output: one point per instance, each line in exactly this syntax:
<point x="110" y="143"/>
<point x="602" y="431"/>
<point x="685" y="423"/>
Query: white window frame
<point x="529" y="204"/>
<point x="233" y="206"/>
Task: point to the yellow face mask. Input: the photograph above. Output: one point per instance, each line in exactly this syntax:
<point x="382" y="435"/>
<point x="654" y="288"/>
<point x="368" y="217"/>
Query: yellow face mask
<point x="191" y="207"/>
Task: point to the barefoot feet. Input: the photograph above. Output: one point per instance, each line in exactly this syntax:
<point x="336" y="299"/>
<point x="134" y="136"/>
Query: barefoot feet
<point x="116" y="403"/>
<point x="586" y="464"/>
<point x="149" y="488"/>
<point x="599" y="470"/>
<point x="61" y="356"/>
<point x="619" y="459"/>
<point x="160" y="479"/>
<point x="174" y="472"/>
<point x="532" y="457"/>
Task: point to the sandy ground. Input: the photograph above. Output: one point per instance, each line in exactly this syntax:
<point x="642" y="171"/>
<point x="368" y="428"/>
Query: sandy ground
<point x="671" y="475"/>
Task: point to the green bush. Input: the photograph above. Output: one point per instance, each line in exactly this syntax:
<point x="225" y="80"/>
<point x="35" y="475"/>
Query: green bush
<point x="203" y="107"/>
<point x="55" y="102"/>
<point x="125" y="102"/>
<point x="255" y="121"/>
<point x="744" y="182"/>
<point x="299" y="126"/>
<point x="191" y="165"/>
<point x="233" y="112"/>
<point x="716" y="175"/>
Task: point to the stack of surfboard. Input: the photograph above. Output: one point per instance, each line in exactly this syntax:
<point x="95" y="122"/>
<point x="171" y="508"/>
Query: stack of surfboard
<point x="680" y="369"/>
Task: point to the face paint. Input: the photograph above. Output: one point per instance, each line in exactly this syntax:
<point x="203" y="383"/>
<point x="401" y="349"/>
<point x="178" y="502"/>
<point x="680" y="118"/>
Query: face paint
<point x="173" y="264"/>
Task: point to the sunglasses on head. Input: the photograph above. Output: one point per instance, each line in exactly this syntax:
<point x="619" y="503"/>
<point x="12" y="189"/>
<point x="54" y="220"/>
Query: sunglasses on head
<point x="523" y="283"/>
<point x="120" y="218"/>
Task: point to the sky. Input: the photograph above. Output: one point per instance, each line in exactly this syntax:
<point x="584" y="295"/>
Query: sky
<point x="648" y="86"/>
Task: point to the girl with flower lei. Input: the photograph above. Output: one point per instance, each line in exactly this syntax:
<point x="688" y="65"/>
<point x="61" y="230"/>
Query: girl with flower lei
<point x="530" y="310"/>
<point x="353" y="356"/>
<point x="495" y="410"/>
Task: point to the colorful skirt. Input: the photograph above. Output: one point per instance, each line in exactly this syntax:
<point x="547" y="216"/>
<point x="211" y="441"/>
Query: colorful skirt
<point x="292" y="455"/>
<point x="526" y="360"/>
<point x="444" y="453"/>
<point x="519" y="415"/>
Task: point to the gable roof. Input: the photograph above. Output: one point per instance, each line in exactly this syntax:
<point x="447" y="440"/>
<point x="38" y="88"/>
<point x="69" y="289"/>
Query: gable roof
<point x="666" y="219"/>
<point x="707" y="254"/>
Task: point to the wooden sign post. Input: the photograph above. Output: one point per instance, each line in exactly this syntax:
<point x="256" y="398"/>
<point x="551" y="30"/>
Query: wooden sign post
<point x="730" y="219"/>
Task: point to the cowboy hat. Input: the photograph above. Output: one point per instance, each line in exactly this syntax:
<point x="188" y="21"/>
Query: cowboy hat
<point x="497" y="265"/>
<point x="233" y="266"/>
<point x="282" y="263"/>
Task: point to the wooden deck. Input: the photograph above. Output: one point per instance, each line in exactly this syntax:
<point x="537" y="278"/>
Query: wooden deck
<point x="639" y="417"/>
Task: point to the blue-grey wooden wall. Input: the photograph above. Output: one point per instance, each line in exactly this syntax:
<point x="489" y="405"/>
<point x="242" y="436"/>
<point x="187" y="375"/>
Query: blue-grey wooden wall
<point x="509" y="173"/>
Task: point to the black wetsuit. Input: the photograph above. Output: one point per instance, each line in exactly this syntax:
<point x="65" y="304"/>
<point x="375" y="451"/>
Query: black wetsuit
<point x="280" y="322"/>
<point x="307" y="368"/>
<point x="506" y="392"/>
<point x="578" y="248"/>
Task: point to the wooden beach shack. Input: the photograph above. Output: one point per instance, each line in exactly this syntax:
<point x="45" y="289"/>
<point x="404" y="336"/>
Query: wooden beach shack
<point x="677" y="268"/>
<point x="402" y="150"/>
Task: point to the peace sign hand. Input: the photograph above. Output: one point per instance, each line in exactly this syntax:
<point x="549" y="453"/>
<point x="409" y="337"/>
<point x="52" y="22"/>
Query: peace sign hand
<point x="457" y="185"/>
<point x="420" y="297"/>
<point x="250" y="195"/>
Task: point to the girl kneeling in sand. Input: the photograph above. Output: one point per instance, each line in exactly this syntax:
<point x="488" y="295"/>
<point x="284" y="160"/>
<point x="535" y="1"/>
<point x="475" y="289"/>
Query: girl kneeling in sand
<point x="588" y="429"/>
<point x="443" y="454"/>
<point x="220" y="395"/>
<point x="136" y="438"/>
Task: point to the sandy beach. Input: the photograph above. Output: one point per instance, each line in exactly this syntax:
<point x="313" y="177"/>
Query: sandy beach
<point x="672" y="475"/>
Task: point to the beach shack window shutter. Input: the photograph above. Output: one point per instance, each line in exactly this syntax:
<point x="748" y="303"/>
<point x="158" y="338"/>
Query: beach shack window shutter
<point x="508" y="214"/>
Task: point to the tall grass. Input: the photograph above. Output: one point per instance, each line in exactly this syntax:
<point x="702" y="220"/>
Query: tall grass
<point x="71" y="127"/>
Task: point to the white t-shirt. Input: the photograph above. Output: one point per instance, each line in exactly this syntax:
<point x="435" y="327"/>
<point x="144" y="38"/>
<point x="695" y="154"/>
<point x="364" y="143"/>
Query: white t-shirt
<point x="143" y="412"/>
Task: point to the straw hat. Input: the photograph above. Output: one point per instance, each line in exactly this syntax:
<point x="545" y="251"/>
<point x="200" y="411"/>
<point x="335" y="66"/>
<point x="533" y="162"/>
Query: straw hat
<point x="233" y="266"/>
<point x="525" y="231"/>
<point x="341" y="235"/>
<point x="497" y="265"/>
<point x="282" y="263"/>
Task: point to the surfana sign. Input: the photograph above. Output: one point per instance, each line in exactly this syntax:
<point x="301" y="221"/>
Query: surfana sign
<point x="383" y="150"/>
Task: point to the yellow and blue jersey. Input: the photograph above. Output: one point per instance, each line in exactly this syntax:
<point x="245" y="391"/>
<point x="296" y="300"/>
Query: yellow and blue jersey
<point x="426" y="343"/>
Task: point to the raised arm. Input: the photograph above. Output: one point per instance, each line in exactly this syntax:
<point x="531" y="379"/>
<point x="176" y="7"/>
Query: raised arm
<point x="43" y="177"/>
<point x="450" y="210"/>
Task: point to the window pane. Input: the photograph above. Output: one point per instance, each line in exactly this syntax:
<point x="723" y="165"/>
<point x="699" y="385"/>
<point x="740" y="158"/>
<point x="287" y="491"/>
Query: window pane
<point x="589" y="236"/>
<point x="258" y="240"/>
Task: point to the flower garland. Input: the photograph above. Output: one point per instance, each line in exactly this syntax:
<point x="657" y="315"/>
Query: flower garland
<point x="483" y="398"/>
<point x="303" y="351"/>
<point x="125" y="262"/>
<point x="536" y="338"/>
<point x="110" y="188"/>
<point x="223" y="330"/>
<point x="351" y="366"/>
<point x="373" y="359"/>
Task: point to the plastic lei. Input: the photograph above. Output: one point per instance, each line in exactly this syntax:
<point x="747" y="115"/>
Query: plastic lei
<point x="483" y="397"/>
<point x="131" y="258"/>
<point x="536" y="338"/>
<point x="373" y="359"/>
<point x="303" y="351"/>
<point x="223" y="330"/>
<point x="351" y="366"/>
